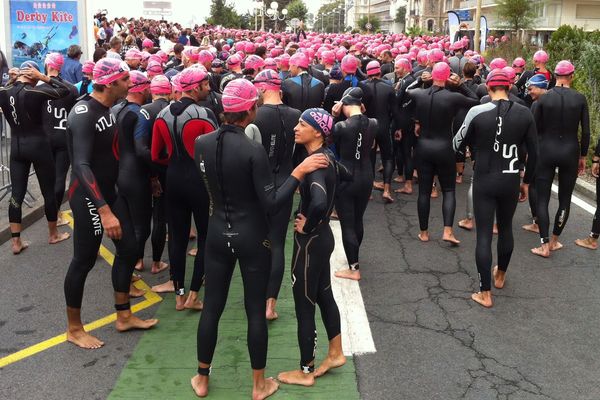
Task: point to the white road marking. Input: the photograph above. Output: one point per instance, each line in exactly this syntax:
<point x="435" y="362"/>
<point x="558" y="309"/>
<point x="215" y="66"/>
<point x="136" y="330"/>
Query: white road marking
<point x="577" y="201"/>
<point x="356" y="331"/>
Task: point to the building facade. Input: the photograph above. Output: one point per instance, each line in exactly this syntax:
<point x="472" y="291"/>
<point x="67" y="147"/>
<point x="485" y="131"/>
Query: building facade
<point x="430" y="15"/>
<point x="383" y="10"/>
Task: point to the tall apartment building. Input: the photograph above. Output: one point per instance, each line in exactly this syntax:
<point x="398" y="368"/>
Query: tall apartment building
<point x="430" y="15"/>
<point x="384" y="10"/>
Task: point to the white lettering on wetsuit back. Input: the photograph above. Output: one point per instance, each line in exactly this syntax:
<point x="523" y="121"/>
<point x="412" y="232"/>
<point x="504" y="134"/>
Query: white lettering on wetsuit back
<point x="11" y="100"/>
<point x="358" y="144"/>
<point x="103" y="123"/>
<point x="60" y="115"/>
<point x="509" y="152"/>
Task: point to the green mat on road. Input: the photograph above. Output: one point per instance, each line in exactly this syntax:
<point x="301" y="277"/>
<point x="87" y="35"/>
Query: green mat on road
<point x="165" y="358"/>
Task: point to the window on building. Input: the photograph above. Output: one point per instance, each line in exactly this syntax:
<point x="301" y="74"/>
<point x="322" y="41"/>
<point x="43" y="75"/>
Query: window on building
<point x="448" y="5"/>
<point x="430" y="24"/>
<point x="588" y="11"/>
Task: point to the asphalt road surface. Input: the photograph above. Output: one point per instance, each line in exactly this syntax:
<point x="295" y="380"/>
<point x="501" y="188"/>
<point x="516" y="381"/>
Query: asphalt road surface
<point x="539" y="341"/>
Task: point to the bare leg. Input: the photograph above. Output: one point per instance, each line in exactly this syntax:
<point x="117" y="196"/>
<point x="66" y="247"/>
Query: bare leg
<point x="449" y="236"/>
<point x="542" y="251"/>
<point x="407" y="189"/>
<point x="167" y="287"/>
<point x="192" y="302"/>
<point x="126" y="320"/>
<point x="200" y="382"/>
<point x="271" y="313"/>
<point x="54" y="236"/>
<point x="17" y="244"/>
<point x="76" y="334"/>
<point x="348" y="274"/>
<point x="555" y="244"/>
<point x="499" y="277"/>
<point x="387" y="196"/>
<point x="139" y="266"/>
<point x="335" y="357"/>
<point x="158" y="266"/>
<point x="423" y="236"/>
<point x="262" y="388"/>
<point x="483" y="298"/>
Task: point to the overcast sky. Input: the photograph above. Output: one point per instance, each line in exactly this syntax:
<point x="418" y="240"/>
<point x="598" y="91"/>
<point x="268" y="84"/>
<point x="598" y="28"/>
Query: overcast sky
<point x="185" y="12"/>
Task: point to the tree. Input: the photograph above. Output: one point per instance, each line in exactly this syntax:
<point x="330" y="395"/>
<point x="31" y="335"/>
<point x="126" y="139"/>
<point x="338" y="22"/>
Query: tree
<point x="327" y="18"/>
<point x="401" y="15"/>
<point x="516" y="14"/>
<point x="297" y="9"/>
<point x="223" y="14"/>
<point x="362" y="23"/>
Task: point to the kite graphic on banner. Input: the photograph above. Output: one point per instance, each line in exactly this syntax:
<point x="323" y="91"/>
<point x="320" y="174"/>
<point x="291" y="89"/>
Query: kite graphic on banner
<point x="38" y="28"/>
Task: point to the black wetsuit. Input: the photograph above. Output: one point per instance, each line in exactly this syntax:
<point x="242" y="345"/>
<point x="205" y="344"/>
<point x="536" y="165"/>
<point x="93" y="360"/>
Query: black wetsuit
<point x="228" y="77"/>
<point x="435" y="108"/>
<point x="159" y="208"/>
<point x="175" y="128"/>
<point x="23" y="106"/>
<point x="215" y="103"/>
<point x="403" y="149"/>
<point x="276" y="125"/>
<point x="497" y="130"/>
<point x="527" y="75"/>
<point x="353" y="140"/>
<point x="595" y="233"/>
<point x="91" y="137"/>
<point x="55" y="125"/>
<point x="335" y="91"/>
<point x="238" y="178"/>
<point x="135" y="163"/>
<point x="311" y="276"/>
<point x="302" y="92"/>
<point x="380" y="100"/>
<point x="558" y="115"/>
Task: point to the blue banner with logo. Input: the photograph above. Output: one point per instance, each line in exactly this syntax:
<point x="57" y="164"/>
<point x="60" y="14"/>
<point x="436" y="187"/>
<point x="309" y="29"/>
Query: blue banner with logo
<point x="41" y="27"/>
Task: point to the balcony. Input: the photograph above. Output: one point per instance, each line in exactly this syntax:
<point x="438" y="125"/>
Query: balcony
<point x="473" y="3"/>
<point x="547" y="23"/>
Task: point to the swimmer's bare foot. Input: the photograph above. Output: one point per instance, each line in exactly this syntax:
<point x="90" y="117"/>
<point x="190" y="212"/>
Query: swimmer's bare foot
<point x="542" y="251"/>
<point x="135" y="277"/>
<point x="555" y="245"/>
<point x="423" y="236"/>
<point x="588" y="243"/>
<point x="266" y="389"/>
<point x="399" y="179"/>
<point x="79" y="337"/>
<point x="387" y="197"/>
<point x="18" y="246"/>
<point x="58" y="237"/>
<point x="483" y="298"/>
<point x="434" y="193"/>
<point x="499" y="277"/>
<point x="532" y="228"/>
<point x="135" y="292"/>
<point x="62" y="221"/>
<point x="466" y="224"/>
<point x="297" y="377"/>
<point x="193" y="234"/>
<point x="193" y="252"/>
<point x="271" y="314"/>
<point x="139" y="266"/>
<point x="167" y="287"/>
<point x="192" y="302"/>
<point x="180" y="302"/>
<point x="330" y="363"/>
<point x="495" y="229"/>
<point x="378" y="185"/>
<point x="348" y="274"/>
<point x="200" y="385"/>
<point x="158" y="266"/>
<point x="449" y="237"/>
<point x="127" y="323"/>
<point x="405" y="190"/>
<point x="459" y="179"/>
<point x="334" y="215"/>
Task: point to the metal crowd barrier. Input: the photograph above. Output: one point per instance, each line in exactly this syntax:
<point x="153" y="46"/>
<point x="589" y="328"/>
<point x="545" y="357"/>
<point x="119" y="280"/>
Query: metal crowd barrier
<point x="5" y="184"/>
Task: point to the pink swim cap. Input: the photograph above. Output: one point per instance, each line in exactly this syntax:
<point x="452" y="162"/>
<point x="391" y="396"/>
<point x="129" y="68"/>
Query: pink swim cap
<point x="498" y="78"/>
<point x="133" y="54"/>
<point x="108" y="70"/>
<point x="328" y="57"/>
<point x="540" y="56"/>
<point x="154" y="68"/>
<point x="564" y="68"/>
<point x="254" y="62"/>
<point x="340" y="54"/>
<point x="191" y="54"/>
<point x="406" y="64"/>
<point x="299" y="60"/>
<point x="469" y="53"/>
<point x="160" y="85"/>
<point x="164" y="57"/>
<point x="156" y="58"/>
<point x="147" y="44"/>
<point x="373" y="68"/>
<point x="234" y="60"/>
<point x="138" y="82"/>
<point x="205" y="56"/>
<point x="458" y="45"/>
<point x="510" y="72"/>
<point x="349" y="64"/>
<point x="267" y="80"/>
<point x="175" y="82"/>
<point x="88" y="67"/>
<point x="441" y="72"/>
<point x="284" y="60"/>
<point x="190" y="78"/>
<point x="422" y="56"/>
<point x="498" y="63"/>
<point x="239" y="95"/>
<point x="249" y="48"/>
<point x="54" y="60"/>
<point x="145" y="55"/>
<point x="271" y="64"/>
<point x="518" y="62"/>
<point x="435" y="56"/>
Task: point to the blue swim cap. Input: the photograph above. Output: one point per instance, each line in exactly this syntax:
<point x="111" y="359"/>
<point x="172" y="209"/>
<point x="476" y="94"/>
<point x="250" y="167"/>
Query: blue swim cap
<point x="336" y="73"/>
<point x="319" y="119"/>
<point x="29" y="64"/>
<point x="539" y="81"/>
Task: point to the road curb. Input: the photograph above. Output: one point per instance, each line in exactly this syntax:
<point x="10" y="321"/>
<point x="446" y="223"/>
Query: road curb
<point x="585" y="188"/>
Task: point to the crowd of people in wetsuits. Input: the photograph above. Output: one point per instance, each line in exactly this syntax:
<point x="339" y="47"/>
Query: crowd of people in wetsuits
<point x="226" y="132"/>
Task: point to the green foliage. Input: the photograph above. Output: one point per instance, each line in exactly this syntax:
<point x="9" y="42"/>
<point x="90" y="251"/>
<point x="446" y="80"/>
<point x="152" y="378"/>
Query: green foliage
<point x="566" y="43"/>
<point x="297" y="9"/>
<point x="223" y="14"/>
<point x="511" y="50"/>
<point x="327" y="18"/>
<point x="362" y="22"/>
<point x="414" y="31"/>
<point x="401" y="15"/>
<point x="588" y="82"/>
<point x="516" y="14"/>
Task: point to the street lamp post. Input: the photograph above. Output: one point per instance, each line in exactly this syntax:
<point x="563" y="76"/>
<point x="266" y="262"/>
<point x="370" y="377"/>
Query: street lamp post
<point x="274" y="13"/>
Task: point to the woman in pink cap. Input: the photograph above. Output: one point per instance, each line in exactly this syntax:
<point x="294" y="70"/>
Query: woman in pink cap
<point x="236" y="173"/>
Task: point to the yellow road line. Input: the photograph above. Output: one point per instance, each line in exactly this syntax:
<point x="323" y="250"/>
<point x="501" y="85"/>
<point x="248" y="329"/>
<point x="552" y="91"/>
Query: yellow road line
<point x="150" y="297"/>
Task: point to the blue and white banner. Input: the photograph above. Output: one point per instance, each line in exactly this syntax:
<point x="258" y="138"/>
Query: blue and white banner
<point x="483" y="29"/>
<point x="41" y="27"/>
